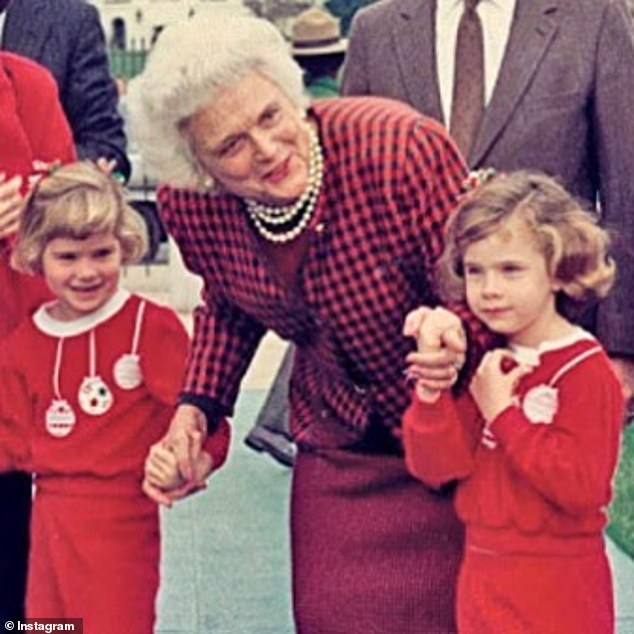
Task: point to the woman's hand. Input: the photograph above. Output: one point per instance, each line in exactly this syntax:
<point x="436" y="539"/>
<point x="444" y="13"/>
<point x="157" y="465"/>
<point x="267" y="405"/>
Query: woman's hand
<point x="441" y="353"/>
<point x="203" y="467"/>
<point x="184" y="439"/>
<point x="494" y="382"/>
<point x="10" y="205"/>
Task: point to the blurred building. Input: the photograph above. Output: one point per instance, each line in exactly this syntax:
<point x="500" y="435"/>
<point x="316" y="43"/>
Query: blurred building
<point x="135" y="24"/>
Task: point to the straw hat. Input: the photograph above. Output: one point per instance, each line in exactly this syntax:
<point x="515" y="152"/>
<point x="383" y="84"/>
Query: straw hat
<point x="317" y="32"/>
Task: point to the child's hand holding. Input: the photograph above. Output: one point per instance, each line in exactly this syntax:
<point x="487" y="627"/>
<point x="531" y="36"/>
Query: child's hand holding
<point x="494" y="382"/>
<point x="441" y="344"/>
<point x="161" y="466"/>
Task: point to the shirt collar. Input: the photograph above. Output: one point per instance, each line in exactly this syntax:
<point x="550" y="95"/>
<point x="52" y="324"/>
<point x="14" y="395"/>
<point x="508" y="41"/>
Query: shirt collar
<point x="446" y="7"/>
<point x="531" y="355"/>
<point x="56" y="328"/>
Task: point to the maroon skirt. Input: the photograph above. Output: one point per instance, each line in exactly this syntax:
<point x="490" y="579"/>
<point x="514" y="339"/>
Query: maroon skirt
<point x="374" y="551"/>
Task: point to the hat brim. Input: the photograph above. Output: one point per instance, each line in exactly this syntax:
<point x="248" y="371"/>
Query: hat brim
<point x="328" y="49"/>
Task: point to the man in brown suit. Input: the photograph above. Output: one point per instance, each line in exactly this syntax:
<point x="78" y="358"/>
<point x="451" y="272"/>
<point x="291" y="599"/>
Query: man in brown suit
<point x="559" y="98"/>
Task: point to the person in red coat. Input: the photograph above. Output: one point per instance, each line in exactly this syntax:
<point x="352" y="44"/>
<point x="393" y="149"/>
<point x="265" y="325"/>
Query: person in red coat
<point x="534" y="446"/>
<point x="82" y="414"/>
<point x="33" y="130"/>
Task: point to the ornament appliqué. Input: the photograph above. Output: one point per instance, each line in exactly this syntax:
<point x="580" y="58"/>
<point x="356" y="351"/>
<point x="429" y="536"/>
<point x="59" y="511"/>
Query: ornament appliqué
<point x="127" y="372"/>
<point x="95" y="397"/>
<point x="540" y="404"/>
<point x="60" y="418"/>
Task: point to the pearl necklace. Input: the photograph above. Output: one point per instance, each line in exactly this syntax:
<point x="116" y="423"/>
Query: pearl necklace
<point x="283" y="224"/>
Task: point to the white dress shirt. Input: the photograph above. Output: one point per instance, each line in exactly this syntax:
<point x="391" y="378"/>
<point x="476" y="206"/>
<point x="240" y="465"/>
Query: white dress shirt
<point x="496" y="17"/>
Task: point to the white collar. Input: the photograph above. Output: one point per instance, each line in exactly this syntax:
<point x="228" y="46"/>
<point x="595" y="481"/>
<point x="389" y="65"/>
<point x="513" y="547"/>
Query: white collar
<point x="530" y="355"/>
<point x="56" y="328"/>
<point x="448" y="6"/>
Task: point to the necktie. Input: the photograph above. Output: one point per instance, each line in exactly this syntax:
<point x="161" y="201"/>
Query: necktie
<point x="467" y="105"/>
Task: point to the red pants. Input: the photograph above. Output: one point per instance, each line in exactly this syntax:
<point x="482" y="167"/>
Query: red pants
<point x="533" y="594"/>
<point x="95" y="558"/>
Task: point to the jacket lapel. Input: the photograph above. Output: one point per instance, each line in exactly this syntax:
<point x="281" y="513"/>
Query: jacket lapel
<point x="534" y="25"/>
<point x="25" y="29"/>
<point x="413" y="34"/>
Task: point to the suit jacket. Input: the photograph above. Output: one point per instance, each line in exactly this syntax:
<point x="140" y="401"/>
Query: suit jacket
<point x="66" y="37"/>
<point x="563" y="103"/>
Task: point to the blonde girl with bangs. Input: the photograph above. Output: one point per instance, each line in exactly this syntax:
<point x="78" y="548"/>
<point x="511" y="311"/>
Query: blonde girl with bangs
<point x="533" y="446"/>
<point x="87" y="386"/>
<point x="77" y="201"/>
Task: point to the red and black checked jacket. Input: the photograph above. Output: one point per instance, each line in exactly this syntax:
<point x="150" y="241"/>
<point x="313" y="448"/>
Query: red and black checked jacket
<point x="391" y="178"/>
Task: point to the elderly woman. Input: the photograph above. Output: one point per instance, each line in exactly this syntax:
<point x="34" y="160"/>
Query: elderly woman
<point x="323" y="224"/>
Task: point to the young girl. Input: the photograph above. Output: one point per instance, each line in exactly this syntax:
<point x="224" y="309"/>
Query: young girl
<point x="535" y="445"/>
<point x="87" y="385"/>
<point x="32" y="128"/>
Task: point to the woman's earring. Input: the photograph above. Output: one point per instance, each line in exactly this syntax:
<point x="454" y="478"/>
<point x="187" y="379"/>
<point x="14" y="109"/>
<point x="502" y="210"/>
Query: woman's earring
<point x="206" y="181"/>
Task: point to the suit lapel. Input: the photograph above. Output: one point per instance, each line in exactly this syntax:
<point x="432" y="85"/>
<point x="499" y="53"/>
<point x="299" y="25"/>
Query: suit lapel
<point x="413" y="34"/>
<point x="533" y="28"/>
<point x="25" y="29"/>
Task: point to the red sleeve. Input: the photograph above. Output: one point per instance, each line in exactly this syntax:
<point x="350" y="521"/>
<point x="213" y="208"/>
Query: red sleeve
<point x="32" y="127"/>
<point x="440" y="438"/>
<point x="40" y="111"/>
<point x="15" y="415"/>
<point x="571" y="460"/>
<point x="164" y="346"/>
<point x="20" y="295"/>
<point x="217" y="444"/>
<point x="7" y="442"/>
<point x="432" y="180"/>
<point x="438" y="198"/>
<point x="225" y="338"/>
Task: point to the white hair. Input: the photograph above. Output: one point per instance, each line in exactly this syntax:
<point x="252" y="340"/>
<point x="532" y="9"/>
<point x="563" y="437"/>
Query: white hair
<point x="190" y="64"/>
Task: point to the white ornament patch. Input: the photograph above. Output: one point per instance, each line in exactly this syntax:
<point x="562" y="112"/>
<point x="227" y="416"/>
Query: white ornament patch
<point x="95" y="398"/>
<point x="60" y="418"/>
<point x="127" y="372"/>
<point x="540" y="404"/>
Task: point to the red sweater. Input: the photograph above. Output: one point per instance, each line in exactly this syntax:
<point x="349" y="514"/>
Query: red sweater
<point x="542" y="469"/>
<point x="32" y="127"/>
<point x="105" y="449"/>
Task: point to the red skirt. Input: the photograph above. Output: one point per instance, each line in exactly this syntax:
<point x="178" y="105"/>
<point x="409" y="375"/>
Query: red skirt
<point x="532" y="594"/>
<point x="97" y="558"/>
<point x="374" y="551"/>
